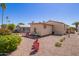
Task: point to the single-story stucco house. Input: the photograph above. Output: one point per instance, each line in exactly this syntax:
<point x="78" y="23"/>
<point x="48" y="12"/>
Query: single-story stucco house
<point x="50" y="27"/>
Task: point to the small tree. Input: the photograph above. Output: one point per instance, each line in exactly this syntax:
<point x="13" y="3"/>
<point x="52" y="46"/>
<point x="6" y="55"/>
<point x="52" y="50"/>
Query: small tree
<point x="72" y="29"/>
<point x="21" y="24"/>
<point x="76" y="25"/>
<point x="11" y="27"/>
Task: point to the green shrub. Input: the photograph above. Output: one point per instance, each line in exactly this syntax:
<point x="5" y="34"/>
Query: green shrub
<point x="58" y="44"/>
<point x="11" y="27"/>
<point x="9" y="43"/>
<point x="61" y="40"/>
<point x="5" y="32"/>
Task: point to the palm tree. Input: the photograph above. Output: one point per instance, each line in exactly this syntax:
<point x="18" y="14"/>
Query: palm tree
<point x="7" y="19"/>
<point x="76" y="25"/>
<point x="3" y="5"/>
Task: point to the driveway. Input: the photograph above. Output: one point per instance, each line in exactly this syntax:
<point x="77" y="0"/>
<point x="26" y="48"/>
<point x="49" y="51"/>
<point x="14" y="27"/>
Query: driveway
<point x="70" y="46"/>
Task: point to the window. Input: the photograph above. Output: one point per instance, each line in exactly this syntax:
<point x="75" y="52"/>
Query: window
<point x="34" y="30"/>
<point x="23" y="29"/>
<point x="44" y="26"/>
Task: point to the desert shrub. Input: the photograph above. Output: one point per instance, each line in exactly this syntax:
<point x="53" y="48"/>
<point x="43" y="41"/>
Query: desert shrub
<point x="9" y="43"/>
<point x="61" y="40"/>
<point x="5" y="31"/>
<point x="58" y="44"/>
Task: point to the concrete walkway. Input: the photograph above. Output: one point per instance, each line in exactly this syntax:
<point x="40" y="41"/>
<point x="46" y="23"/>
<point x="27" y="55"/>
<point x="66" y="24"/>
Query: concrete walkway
<point x="70" y="47"/>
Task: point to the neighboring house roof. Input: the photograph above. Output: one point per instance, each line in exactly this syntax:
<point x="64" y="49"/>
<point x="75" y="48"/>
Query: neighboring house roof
<point x="42" y="24"/>
<point x="57" y="22"/>
<point x="24" y="25"/>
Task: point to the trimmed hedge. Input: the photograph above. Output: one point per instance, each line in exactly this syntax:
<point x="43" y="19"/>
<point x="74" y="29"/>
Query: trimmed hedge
<point x="9" y="43"/>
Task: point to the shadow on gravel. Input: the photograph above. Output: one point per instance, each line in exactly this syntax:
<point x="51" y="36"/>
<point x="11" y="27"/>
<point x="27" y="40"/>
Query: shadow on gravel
<point x="33" y="52"/>
<point x="4" y="54"/>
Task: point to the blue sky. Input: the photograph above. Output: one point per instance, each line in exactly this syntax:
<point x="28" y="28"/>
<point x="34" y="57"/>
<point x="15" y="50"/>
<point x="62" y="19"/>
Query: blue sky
<point x="28" y="12"/>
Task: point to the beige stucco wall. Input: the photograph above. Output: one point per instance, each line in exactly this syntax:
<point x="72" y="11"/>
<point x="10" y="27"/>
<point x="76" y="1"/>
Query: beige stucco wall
<point x="40" y="29"/>
<point x="78" y="28"/>
<point x="59" y="28"/>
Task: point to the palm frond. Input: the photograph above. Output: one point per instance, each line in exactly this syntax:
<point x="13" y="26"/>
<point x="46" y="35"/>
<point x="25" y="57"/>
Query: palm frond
<point x="3" y="5"/>
<point x="75" y="23"/>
